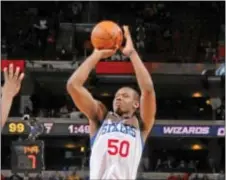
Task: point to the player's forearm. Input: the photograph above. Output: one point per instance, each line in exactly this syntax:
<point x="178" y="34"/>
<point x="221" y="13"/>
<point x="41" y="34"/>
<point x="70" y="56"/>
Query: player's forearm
<point x="143" y="77"/>
<point x="6" y="104"/>
<point x="81" y="74"/>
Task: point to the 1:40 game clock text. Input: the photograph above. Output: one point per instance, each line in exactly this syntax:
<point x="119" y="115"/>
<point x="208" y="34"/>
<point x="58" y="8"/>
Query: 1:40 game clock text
<point x="78" y="129"/>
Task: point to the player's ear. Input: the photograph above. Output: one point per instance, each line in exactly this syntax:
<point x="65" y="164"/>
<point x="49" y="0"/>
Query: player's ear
<point x="136" y="104"/>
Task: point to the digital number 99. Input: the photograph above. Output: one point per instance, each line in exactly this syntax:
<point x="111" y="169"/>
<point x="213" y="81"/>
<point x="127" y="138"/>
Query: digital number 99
<point x="16" y="127"/>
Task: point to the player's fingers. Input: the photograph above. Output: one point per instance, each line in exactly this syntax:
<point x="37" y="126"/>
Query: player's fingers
<point x="6" y="74"/>
<point x="126" y="31"/>
<point x="107" y="51"/>
<point x="21" y="77"/>
<point x="114" y="51"/>
<point x="17" y="72"/>
<point x="116" y="48"/>
<point x="125" y="28"/>
<point x="11" y="71"/>
<point x="121" y="48"/>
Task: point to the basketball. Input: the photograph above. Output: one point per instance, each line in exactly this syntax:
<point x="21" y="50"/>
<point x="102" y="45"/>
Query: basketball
<point x="106" y="35"/>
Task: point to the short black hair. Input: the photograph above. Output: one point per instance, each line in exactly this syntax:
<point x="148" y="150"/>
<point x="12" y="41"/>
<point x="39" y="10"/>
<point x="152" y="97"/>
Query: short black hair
<point x="135" y="91"/>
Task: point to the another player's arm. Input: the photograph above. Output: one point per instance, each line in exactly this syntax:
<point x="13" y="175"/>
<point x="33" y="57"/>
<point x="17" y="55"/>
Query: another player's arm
<point x="9" y="90"/>
<point x="93" y="109"/>
<point x="6" y="103"/>
<point x="148" y="99"/>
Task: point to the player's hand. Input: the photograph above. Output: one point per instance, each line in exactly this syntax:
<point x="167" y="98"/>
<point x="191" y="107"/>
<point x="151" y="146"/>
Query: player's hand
<point x="12" y="81"/>
<point x="129" y="47"/>
<point x="104" y="53"/>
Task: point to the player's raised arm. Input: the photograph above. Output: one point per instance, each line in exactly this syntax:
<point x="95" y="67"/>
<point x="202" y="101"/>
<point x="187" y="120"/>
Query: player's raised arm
<point x="9" y="90"/>
<point x="93" y="109"/>
<point x="148" y="100"/>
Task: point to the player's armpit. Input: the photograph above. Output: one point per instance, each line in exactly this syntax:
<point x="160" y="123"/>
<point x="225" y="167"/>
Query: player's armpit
<point x="147" y="110"/>
<point x="93" y="109"/>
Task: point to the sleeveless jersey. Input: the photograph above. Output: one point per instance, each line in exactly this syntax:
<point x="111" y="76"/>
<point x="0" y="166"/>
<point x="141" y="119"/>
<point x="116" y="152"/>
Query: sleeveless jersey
<point x="116" y="151"/>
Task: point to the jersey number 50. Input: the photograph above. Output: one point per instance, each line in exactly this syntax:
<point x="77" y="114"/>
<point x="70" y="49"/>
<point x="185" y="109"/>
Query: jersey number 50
<point x="116" y="146"/>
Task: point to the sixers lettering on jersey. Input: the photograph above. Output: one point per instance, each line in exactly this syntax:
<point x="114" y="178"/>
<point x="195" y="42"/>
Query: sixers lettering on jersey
<point x="118" y="127"/>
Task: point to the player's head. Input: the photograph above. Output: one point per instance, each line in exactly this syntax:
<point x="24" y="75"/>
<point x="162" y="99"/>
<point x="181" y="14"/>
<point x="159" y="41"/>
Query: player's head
<point x="126" y="101"/>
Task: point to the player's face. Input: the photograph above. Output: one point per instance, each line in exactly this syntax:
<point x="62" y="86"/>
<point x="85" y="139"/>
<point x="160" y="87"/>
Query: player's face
<point x="125" y="101"/>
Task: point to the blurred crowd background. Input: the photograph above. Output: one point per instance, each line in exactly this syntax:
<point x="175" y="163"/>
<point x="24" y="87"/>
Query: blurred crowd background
<point x="163" y="32"/>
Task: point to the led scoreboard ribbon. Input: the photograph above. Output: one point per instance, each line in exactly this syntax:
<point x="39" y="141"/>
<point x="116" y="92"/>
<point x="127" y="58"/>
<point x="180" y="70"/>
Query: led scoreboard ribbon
<point x="75" y="129"/>
<point x="64" y="129"/>
<point x="27" y="156"/>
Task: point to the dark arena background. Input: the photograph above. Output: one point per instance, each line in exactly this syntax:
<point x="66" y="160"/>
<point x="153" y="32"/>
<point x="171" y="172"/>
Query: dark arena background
<point x="182" y="45"/>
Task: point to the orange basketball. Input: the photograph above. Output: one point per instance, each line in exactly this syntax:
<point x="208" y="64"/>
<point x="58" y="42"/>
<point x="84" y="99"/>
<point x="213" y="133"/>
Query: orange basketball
<point x="106" y="35"/>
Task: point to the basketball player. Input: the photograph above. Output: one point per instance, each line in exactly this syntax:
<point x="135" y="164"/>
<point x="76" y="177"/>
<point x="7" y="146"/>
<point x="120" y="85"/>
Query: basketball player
<point x="117" y="138"/>
<point x="9" y="90"/>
